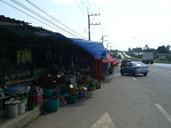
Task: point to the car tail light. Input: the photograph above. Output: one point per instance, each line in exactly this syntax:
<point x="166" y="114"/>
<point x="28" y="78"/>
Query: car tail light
<point x="137" y="67"/>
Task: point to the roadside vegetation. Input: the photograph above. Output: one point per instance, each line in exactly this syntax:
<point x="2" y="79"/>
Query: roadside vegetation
<point x="161" y="55"/>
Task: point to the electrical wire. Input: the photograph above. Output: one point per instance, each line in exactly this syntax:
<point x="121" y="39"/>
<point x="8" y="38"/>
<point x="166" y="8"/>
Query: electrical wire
<point x="89" y="5"/>
<point x="52" y="17"/>
<point x="95" y="5"/>
<point x="27" y="14"/>
<point x="80" y="8"/>
<point x="85" y="6"/>
<point x="40" y="16"/>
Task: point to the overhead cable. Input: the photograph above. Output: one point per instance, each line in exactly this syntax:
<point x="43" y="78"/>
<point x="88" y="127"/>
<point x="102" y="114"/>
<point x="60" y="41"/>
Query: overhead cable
<point x="85" y="6"/>
<point x="52" y="17"/>
<point x="80" y="7"/>
<point x="40" y="16"/>
<point x="27" y="14"/>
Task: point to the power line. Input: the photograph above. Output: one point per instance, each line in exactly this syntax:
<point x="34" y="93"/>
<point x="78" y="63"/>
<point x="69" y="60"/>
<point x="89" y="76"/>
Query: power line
<point x="52" y="17"/>
<point x="85" y="6"/>
<point x="40" y="16"/>
<point x="80" y="8"/>
<point x="89" y="5"/>
<point x="26" y="14"/>
<point x="95" y="5"/>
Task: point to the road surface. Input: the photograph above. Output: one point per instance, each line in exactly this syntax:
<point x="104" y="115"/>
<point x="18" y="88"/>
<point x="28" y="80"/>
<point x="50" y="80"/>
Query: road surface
<point x="122" y="102"/>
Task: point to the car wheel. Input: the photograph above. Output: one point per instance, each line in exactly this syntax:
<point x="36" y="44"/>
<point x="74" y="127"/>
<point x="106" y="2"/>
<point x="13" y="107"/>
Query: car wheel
<point x="122" y="73"/>
<point x="145" y="74"/>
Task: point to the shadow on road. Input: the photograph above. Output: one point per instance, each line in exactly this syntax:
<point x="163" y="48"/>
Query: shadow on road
<point x="138" y="75"/>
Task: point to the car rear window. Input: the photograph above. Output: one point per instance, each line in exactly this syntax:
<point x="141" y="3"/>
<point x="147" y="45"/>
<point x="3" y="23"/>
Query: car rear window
<point x="139" y="64"/>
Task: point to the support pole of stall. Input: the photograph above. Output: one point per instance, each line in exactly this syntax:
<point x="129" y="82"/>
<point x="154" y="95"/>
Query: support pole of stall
<point x="1" y="70"/>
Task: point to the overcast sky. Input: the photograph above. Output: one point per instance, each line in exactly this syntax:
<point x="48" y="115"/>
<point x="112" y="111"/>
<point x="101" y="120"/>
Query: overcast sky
<point x="128" y="23"/>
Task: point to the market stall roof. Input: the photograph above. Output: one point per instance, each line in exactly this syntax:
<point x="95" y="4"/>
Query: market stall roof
<point x="95" y="48"/>
<point x="109" y="59"/>
<point x="115" y="61"/>
<point x="20" y="33"/>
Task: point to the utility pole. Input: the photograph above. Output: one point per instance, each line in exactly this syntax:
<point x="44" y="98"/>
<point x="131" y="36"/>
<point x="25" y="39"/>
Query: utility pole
<point x="108" y="45"/>
<point x="103" y="38"/>
<point x="89" y="38"/>
<point x="89" y="24"/>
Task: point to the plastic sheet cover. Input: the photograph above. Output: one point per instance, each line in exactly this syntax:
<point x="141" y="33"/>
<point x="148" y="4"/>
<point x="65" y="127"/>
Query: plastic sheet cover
<point x="95" y="48"/>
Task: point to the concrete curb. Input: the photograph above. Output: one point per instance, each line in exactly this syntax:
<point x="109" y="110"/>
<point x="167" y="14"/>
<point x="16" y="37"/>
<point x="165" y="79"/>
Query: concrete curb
<point x="23" y="119"/>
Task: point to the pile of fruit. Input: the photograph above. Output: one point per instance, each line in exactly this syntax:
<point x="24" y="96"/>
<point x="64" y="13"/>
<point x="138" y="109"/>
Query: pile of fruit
<point x="12" y="102"/>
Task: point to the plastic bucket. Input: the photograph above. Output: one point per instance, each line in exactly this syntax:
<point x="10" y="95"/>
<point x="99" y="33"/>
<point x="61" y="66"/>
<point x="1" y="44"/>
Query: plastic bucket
<point x="80" y="94"/>
<point x="51" y="105"/>
<point x="12" y="110"/>
<point x="85" y="94"/>
<point x="21" y="107"/>
<point x="47" y="93"/>
<point x="72" y="99"/>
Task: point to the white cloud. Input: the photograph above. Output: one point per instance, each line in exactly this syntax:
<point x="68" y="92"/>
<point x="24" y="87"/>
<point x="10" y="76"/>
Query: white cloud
<point x="163" y="3"/>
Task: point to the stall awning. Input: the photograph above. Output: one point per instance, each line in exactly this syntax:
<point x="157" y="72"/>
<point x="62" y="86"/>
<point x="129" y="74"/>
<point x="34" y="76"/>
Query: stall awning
<point x="109" y="59"/>
<point x="95" y="48"/>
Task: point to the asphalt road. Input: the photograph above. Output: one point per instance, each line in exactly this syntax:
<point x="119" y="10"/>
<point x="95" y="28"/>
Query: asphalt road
<point x="122" y="102"/>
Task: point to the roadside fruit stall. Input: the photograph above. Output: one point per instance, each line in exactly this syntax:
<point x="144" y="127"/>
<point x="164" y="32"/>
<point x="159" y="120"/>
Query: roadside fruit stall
<point x="42" y="67"/>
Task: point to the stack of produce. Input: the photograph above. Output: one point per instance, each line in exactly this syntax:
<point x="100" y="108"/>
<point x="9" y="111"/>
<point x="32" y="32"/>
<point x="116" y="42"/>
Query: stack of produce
<point x="49" y="81"/>
<point x="71" y="88"/>
<point x="93" y="84"/>
<point x="12" y="101"/>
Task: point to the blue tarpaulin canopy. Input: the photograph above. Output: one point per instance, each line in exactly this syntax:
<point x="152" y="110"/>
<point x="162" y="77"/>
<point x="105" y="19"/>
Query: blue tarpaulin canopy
<point x="95" y="48"/>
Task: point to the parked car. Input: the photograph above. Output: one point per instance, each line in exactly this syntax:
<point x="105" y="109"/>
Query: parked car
<point x="124" y="62"/>
<point x="134" y="68"/>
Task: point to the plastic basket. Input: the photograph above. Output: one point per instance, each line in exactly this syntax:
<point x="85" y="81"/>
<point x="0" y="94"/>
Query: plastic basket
<point x="72" y="99"/>
<point x="47" y="93"/>
<point x="51" y="105"/>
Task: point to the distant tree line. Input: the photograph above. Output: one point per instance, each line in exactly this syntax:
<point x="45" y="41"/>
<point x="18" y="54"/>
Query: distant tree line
<point x="136" y="52"/>
<point x="160" y="49"/>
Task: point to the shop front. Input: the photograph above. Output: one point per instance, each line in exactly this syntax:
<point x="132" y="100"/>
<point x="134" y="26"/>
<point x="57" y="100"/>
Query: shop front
<point x="41" y="67"/>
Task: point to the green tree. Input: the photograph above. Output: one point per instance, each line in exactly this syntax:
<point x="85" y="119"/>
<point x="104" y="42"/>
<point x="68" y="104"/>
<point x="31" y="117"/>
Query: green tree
<point x="137" y="49"/>
<point x="168" y="47"/>
<point x="129" y="50"/>
<point x="163" y="49"/>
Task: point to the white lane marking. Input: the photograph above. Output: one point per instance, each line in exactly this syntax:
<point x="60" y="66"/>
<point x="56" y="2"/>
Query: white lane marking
<point x="134" y="78"/>
<point x="161" y="109"/>
<point x="104" y="122"/>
